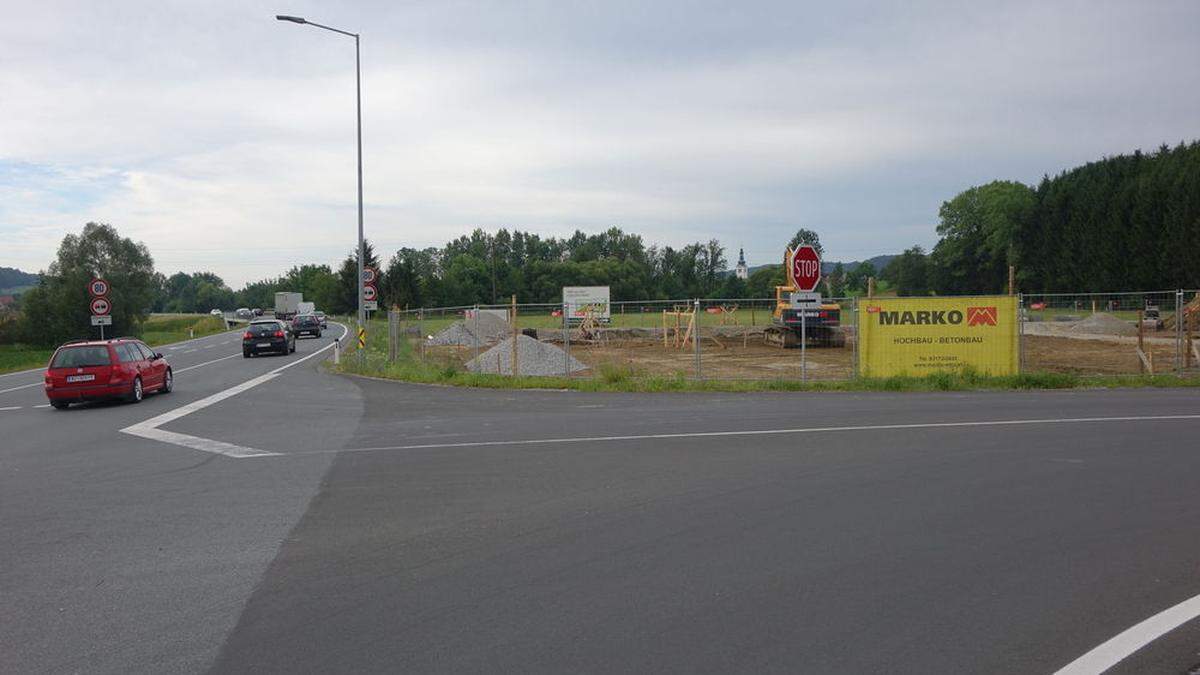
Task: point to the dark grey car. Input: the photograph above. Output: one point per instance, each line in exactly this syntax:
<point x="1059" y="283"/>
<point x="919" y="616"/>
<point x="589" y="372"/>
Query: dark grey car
<point x="268" y="336"/>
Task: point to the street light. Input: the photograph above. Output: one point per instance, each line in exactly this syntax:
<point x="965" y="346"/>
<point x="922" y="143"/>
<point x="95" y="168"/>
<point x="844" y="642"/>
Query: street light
<point x="362" y="318"/>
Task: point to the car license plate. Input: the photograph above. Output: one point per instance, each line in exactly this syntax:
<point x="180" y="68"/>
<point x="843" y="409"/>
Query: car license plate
<point x="80" y="378"/>
<point x="264" y="344"/>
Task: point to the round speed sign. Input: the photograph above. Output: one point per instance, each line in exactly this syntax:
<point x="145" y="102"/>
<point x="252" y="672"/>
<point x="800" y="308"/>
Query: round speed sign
<point x="369" y="293"/>
<point x="368" y="275"/>
<point x="98" y="288"/>
<point x="805" y="269"/>
<point x="101" y="306"/>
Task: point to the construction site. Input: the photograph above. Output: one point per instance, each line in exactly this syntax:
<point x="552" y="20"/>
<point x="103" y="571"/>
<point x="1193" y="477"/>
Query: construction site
<point x="730" y="341"/>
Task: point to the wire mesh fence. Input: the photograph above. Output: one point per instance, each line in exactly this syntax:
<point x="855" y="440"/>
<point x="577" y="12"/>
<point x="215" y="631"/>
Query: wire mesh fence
<point x="766" y="339"/>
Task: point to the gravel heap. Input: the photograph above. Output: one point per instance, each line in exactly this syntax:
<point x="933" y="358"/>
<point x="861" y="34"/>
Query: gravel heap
<point x="462" y="333"/>
<point x="1104" y="324"/>
<point x="533" y="358"/>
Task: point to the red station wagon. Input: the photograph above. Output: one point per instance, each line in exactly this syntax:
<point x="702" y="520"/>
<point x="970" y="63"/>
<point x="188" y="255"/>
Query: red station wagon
<point x="122" y="368"/>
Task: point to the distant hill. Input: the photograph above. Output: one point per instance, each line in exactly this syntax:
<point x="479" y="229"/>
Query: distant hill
<point x="13" y="281"/>
<point x="879" y="261"/>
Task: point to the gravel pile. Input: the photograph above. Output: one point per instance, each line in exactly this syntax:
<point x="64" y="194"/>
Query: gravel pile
<point x="489" y="328"/>
<point x="533" y="358"/>
<point x="1104" y="324"/>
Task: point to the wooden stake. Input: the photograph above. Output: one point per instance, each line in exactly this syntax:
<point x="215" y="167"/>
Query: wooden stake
<point x="1012" y="280"/>
<point x="516" y="334"/>
<point x="870" y="287"/>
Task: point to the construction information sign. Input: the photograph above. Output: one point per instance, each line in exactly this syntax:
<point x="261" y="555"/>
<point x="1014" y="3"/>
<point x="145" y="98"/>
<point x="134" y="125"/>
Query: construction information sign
<point x="918" y="336"/>
<point x="582" y="301"/>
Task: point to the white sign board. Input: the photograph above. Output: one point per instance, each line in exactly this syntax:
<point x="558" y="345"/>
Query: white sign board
<point x="103" y="320"/>
<point x="806" y="300"/>
<point x="584" y="301"/>
<point x="370" y="305"/>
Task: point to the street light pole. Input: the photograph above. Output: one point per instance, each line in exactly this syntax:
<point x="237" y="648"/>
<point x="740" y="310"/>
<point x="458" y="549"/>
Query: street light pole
<point x="362" y="316"/>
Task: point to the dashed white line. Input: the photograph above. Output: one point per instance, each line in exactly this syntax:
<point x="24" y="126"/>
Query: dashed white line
<point x="187" y="351"/>
<point x="24" y="386"/>
<point x="11" y="407"/>
<point x="1117" y="649"/>
<point x="206" y="363"/>
<point x="44" y="405"/>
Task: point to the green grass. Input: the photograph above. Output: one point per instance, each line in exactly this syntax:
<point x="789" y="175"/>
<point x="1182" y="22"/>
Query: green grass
<point x="408" y="367"/>
<point x="159" y="329"/>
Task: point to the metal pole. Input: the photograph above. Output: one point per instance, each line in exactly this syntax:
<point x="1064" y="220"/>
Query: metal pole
<point x="361" y="247"/>
<point x="803" y="345"/>
<point x="696" y="338"/>
<point x="1179" y="332"/>
<point x="566" y="312"/>
<point x="475" y="337"/>
<point x="1020" y="333"/>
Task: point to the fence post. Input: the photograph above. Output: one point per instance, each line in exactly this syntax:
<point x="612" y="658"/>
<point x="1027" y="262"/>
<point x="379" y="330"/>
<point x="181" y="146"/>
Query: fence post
<point x="566" y="314"/>
<point x="1179" y="332"/>
<point x="1020" y="333"/>
<point x="515" y="335"/>
<point x="696" y="338"/>
<point x="803" y="345"/>
<point x="475" y="337"/>
<point x="857" y="336"/>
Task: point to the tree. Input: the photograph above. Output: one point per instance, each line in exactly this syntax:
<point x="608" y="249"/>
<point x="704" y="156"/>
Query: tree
<point x="809" y="237"/>
<point x="909" y="272"/>
<point x="59" y="308"/>
<point x="978" y="228"/>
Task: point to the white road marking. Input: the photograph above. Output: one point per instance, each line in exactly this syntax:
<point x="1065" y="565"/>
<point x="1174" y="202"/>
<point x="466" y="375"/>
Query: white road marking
<point x="187" y="351"/>
<point x="149" y="428"/>
<point x="199" y="365"/>
<point x="774" y="432"/>
<point x="208" y="346"/>
<point x="22" y="372"/>
<point x="1114" y="651"/>
<point x="44" y="405"/>
<point x="24" y="386"/>
<point x="12" y="407"/>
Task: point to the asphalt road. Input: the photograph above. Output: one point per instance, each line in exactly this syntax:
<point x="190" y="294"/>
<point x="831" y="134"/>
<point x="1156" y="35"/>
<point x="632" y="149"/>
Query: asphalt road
<point x="424" y="529"/>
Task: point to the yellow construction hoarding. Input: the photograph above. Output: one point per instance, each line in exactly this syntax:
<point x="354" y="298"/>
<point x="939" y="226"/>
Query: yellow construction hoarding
<point x="918" y="336"/>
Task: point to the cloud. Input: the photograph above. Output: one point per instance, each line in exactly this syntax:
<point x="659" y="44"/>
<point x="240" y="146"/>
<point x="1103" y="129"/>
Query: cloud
<point x="225" y="140"/>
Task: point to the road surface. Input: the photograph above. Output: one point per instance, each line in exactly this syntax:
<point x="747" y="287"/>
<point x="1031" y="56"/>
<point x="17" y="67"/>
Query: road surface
<point x="373" y="526"/>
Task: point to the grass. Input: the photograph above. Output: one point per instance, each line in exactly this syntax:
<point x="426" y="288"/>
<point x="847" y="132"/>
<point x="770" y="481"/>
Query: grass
<point x="408" y="367"/>
<point x="159" y="329"/>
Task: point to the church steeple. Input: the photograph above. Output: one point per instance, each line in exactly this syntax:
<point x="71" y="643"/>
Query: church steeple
<point x="742" y="271"/>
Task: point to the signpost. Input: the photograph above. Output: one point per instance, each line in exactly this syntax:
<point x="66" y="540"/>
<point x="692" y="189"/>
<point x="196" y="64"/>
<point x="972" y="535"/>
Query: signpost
<point x="370" y="303"/>
<point x="804" y="273"/>
<point x="100" y="306"/>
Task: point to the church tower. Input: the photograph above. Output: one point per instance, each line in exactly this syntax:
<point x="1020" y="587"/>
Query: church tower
<point x="742" y="271"/>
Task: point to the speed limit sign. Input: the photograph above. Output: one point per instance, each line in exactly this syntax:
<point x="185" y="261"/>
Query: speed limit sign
<point x="101" y="306"/>
<point x="369" y="293"/>
<point x="98" y="288"/>
<point x="368" y="275"/>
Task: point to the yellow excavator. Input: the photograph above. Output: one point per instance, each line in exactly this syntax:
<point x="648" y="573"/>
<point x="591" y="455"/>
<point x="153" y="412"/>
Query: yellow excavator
<point x="822" y="325"/>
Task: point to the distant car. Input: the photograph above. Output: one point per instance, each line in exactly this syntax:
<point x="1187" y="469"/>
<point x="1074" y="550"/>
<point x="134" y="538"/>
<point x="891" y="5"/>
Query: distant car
<point x="257" y="311"/>
<point x="244" y="313"/>
<point x="95" y="370"/>
<point x="321" y="317"/>
<point x="217" y="312"/>
<point x="306" y="324"/>
<point x="267" y="336"/>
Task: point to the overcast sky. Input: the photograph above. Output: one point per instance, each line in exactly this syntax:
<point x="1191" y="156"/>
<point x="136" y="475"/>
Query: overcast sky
<point x="224" y="139"/>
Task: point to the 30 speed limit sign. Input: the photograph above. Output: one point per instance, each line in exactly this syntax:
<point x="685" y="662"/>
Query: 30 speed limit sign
<point x="98" y="288"/>
<point x="368" y="275"/>
<point x="101" y="306"/>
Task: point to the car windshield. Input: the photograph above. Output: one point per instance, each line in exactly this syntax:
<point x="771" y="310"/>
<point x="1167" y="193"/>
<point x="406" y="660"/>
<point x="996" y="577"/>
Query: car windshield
<point x="266" y="327"/>
<point x="79" y="357"/>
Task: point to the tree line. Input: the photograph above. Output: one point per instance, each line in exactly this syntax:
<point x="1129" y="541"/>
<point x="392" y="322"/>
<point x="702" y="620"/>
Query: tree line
<point x="1129" y="222"/>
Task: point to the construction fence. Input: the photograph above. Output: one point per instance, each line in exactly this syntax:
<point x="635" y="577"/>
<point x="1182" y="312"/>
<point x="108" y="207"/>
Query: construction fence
<point x="1088" y="334"/>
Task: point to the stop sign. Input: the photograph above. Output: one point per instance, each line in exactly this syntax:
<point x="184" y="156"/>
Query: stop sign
<point x="804" y="269"/>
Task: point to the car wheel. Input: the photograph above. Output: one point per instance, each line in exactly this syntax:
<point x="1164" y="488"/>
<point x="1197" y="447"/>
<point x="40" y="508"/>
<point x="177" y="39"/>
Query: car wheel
<point x="59" y="405"/>
<point x="135" y="392"/>
<point x="245" y="354"/>
<point x="168" y="382"/>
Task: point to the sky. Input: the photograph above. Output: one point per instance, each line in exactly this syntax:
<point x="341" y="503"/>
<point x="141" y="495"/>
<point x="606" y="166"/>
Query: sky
<point x="225" y="140"/>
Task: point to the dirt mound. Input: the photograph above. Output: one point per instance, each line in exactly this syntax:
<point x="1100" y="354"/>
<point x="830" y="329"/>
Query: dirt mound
<point x="486" y="329"/>
<point x="533" y="358"/>
<point x="1104" y="324"/>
